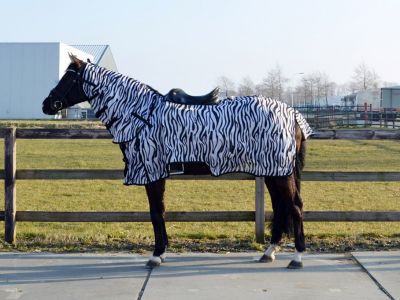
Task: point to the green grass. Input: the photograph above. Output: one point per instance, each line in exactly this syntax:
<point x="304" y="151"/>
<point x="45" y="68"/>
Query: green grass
<point x="322" y="155"/>
<point x="111" y="195"/>
<point x="353" y="155"/>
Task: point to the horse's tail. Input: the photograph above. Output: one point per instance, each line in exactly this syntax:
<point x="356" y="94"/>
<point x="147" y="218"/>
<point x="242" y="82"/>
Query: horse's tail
<point x="296" y="212"/>
<point x="300" y="156"/>
<point x="286" y="213"/>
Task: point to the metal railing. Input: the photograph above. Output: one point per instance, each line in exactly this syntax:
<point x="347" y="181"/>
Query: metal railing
<point x="350" y="116"/>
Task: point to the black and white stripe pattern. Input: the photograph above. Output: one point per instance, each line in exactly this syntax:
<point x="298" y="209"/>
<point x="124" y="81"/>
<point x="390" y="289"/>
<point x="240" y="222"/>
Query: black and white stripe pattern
<point x="253" y="135"/>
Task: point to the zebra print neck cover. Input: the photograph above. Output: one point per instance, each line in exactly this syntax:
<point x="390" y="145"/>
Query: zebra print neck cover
<point x="123" y="104"/>
<point x="254" y="135"/>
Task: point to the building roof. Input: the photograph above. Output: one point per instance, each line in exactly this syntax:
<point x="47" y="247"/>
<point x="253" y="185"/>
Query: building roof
<point x="102" y="56"/>
<point x="396" y="87"/>
<point x="96" y="50"/>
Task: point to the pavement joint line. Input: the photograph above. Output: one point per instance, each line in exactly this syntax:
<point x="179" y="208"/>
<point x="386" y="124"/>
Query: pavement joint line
<point x="144" y="284"/>
<point x="380" y="286"/>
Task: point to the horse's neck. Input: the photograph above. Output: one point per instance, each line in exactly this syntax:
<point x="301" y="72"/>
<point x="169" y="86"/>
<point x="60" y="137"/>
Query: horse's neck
<point x="113" y="87"/>
<point x="123" y="104"/>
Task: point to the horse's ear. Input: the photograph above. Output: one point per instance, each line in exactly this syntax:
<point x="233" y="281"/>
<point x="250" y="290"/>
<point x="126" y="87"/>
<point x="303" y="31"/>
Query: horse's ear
<point x="74" y="59"/>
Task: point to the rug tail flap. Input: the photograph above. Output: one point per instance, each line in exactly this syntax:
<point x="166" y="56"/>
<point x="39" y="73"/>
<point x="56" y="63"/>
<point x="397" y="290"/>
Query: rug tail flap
<point x="304" y="126"/>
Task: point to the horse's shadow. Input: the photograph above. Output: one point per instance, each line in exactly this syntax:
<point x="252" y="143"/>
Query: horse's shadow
<point x="248" y="264"/>
<point x="42" y="268"/>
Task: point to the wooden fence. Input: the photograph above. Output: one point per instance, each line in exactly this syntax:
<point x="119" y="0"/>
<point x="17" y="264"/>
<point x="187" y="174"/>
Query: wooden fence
<point x="10" y="174"/>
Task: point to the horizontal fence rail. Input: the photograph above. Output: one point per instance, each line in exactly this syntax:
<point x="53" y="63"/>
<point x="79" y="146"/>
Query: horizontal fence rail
<point x="201" y="216"/>
<point x="345" y="134"/>
<point x="10" y="174"/>
<point x="109" y="174"/>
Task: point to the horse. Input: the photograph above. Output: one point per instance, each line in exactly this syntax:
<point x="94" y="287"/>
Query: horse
<point x="250" y="134"/>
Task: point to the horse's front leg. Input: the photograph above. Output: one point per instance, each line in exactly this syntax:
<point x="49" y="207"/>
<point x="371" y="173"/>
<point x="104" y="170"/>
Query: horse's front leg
<point x="276" y="226"/>
<point x="155" y="194"/>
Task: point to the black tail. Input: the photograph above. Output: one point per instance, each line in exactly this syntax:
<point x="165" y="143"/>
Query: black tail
<point x="288" y="210"/>
<point x="300" y="158"/>
<point x="297" y="215"/>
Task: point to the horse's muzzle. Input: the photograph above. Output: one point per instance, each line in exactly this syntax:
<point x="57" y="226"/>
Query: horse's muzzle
<point x="50" y="106"/>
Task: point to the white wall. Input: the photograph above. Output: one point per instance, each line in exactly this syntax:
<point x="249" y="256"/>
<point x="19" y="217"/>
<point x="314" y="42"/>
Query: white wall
<point x="28" y="72"/>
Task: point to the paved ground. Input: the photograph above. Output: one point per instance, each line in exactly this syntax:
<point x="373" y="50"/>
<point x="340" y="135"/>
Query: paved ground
<point x="384" y="269"/>
<point x="198" y="276"/>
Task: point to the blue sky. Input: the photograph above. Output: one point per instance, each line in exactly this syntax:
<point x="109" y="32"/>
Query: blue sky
<point x="189" y="44"/>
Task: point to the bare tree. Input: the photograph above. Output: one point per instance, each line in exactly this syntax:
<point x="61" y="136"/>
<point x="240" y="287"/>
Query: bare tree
<point x="299" y="95"/>
<point x="364" y="78"/>
<point x="226" y="86"/>
<point x="308" y="88"/>
<point x="315" y="89"/>
<point x="328" y="88"/>
<point x="317" y="78"/>
<point x="343" y="89"/>
<point x="323" y="88"/>
<point x="246" y="87"/>
<point x="272" y="85"/>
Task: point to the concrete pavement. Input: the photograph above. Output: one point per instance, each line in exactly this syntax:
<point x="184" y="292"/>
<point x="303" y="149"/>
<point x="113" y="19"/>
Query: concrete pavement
<point x="384" y="268"/>
<point x="199" y="276"/>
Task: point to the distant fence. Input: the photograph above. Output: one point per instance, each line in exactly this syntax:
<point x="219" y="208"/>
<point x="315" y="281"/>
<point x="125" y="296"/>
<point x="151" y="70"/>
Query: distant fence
<point x="10" y="174"/>
<point x="351" y="116"/>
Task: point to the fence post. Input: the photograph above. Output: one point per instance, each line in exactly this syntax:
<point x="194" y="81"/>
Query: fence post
<point x="260" y="210"/>
<point x="365" y="114"/>
<point x="371" y="115"/>
<point x="9" y="184"/>
<point x="385" y="116"/>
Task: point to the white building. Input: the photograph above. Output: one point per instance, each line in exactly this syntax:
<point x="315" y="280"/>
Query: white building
<point x="102" y="56"/>
<point x="30" y="70"/>
<point x="369" y="97"/>
<point x="390" y="96"/>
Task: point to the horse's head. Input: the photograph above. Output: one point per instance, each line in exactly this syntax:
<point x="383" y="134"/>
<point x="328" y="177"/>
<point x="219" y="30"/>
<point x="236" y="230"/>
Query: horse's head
<point x="69" y="90"/>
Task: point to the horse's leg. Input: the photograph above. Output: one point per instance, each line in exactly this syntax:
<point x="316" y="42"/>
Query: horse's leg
<point x="298" y="229"/>
<point x="155" y="194"/>
<point x="288" y="216"/>
<point x="276" y="226"/>
<point x="297" y="210"/>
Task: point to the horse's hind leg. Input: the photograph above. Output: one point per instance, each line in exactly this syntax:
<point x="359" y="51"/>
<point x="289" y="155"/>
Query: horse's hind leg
<point x="298" y="229"/>
<point x="155" y="194"/>
<point x="288" y="217"/>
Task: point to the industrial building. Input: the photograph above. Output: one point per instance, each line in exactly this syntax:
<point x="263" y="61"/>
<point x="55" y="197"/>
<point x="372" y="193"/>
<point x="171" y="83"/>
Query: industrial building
<point x="30" y="70"/>
<point x="390" y="97"/>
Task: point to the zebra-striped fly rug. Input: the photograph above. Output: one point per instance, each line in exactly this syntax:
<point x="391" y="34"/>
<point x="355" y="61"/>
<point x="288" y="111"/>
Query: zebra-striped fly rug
<point x="251" y="134"/>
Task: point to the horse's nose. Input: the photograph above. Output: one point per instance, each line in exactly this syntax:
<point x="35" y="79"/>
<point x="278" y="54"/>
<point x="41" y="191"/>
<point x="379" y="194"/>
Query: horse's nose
<point x="46" y="106"/>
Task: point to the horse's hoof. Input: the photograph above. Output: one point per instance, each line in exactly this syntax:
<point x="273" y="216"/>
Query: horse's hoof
<point x="295" y="265"/>
<point x="163" y="257"/>
<point x="265" y="259"/>
<point x="153" y="262"/>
